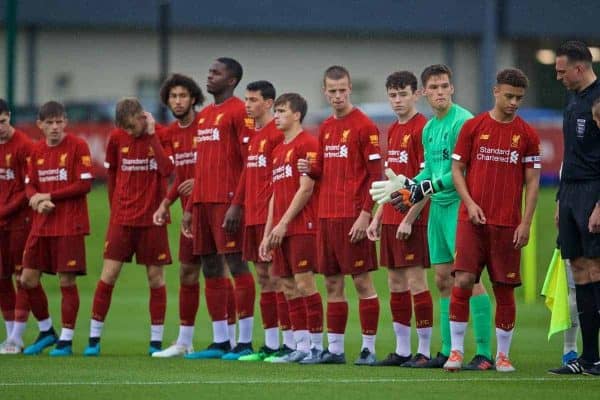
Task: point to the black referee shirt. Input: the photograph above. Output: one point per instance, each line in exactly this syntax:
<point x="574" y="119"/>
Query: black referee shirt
<point x="581" y="159"/>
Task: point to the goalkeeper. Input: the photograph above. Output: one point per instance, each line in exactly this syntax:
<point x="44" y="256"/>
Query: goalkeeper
<point x="435" y="181"/>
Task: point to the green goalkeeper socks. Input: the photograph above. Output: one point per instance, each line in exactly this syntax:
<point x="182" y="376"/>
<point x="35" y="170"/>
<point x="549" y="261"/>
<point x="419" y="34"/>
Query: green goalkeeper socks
<point x="481" y="314"/>
<point x="445" y="325"/>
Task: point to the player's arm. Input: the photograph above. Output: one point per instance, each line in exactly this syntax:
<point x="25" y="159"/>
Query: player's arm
<point x="374" y="229"/>
<point x="298" y="202"/>
<point x="476" y="214"/>
<point x="405" y="227"/>
<point x="240" y="192"/>
<point x="312" y="165"/>
<point x="163" y="162"/>
<point x="17" y="202"/>
<point x="263" y="250"/>
<point x="82" y="174"/>
<point x="532" y="188"/>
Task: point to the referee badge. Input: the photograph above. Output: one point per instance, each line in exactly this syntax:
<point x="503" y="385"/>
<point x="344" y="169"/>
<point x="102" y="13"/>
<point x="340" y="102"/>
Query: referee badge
<point x="580" y="129"/>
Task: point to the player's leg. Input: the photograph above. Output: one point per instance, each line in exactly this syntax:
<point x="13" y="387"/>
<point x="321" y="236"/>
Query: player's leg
<point x="69" y="309"/>
<point x="423" y="311"/>
<point x="215" y="291"/>
<point x="245" y="294"/>
<point x="14" y="343"/>
<point x="36" y="297"/>
<point x="505" y="323"/>
<point x="101" y="303"/>
<point x="337" y="318"/>
<point x="368" y="308"/>
<point x="459" y="311"/>
<point x="570" y="335"/>
<point x="307" y="287"/>
<point x="189" y="300"/>
<point x="7" y="302"/>
<point x="157" y="306"/>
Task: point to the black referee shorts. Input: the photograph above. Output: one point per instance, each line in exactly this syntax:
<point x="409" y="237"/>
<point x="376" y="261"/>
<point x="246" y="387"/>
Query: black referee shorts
<point x="576" y="202"/>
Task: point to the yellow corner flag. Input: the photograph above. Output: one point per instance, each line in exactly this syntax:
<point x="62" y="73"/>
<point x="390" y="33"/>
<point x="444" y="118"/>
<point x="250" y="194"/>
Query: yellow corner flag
<point x="556" y="292"/>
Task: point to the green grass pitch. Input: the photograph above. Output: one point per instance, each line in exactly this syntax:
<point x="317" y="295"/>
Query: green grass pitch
<point x="125" y="371"/>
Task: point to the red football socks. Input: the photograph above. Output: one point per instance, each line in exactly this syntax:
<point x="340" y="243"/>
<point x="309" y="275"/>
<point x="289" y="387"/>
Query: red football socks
<point x="158" y="305"/>
<point x="459" y="304"/>
<point x="245" y="295"/>
<point x="337" y="317"/>
<point x="102" y="299"/>
<point x="268" y="309"/>
<point x="423" y="309"/>
<point x="231" y="308"/>
<point x="69" y="306"/>
<point x="215" y="292"/>
<point x="314" y="312"/>
<point x="189" y="300"/>
<point x="38" y="302"/>
<point x="368" y="310"/>
<point x="400" y="304"/>
<point x="297" y="309"/>
<point x="506" y="311"/>
<point x="283" y="312"/>
<point x="7" y="299"/>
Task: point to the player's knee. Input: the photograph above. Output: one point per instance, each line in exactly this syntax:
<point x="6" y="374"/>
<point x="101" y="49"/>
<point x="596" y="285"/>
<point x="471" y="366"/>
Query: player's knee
<point x="306" y="286"/>
<point x="397" y="281"/>
<point x="29" y="281"/>
<point x="236" y="265"/>
<point x="289" y="288"/>
<point x="335" y="287"/>
<point x="66" y="280"/>
<point x="212" y="267"/>
<point x="364" y="286"/>
<point x="443" y="282"/>
<point x="156" y="277"/>
<point x="189" y="275"/>
<point x="464" y="280"/>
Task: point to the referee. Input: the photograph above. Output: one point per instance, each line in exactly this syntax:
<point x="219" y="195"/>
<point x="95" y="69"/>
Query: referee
<point x="579" y="197"/>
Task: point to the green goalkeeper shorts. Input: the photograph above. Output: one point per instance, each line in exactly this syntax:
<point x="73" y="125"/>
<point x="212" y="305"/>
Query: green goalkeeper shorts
<point x="441" y="232"/>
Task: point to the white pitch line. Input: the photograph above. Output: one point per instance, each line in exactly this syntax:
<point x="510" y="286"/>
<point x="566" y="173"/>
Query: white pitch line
<point x="289" y="381"/>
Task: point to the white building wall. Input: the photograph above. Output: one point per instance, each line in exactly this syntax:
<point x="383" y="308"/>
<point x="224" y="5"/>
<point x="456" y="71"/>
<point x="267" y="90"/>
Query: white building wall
<point x="107" y="65"/>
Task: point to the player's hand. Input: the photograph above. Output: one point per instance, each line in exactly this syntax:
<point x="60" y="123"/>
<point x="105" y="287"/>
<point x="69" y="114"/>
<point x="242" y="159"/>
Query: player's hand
<point x="264" y="253"/>
<point x="476" y="215"/>
<point x="37" y="198"/>
<point x="150" y="123"/>
<point x="374" y="230"/>
<point x="381" y="191"/>
<point x="45" y="207"/>
<point x="186" y="225"/>
<point x="160" y="215"/>
<point x="521" y="236"/>
<point x="594" y="222"/>
<point x="359" y="229"/>
<point x="185" y="188"/>
<point x="401" y="200"/>
<point x="303" y="166"/>
<point x="233" y="218"/>
<point x="404" y="231"/>
<point x="276" y="236"/>
<point x="556" y="214"/>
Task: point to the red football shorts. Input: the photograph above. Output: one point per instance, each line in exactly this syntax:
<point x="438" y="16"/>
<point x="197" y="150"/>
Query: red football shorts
<point x="12" y="244"/>
<point x="186" y="251"/>
<point x="412" y="252"/>
<point x="478" y="246"/>
<point x="253" y="235"/>
<point x="209" y="235"/>
<point x="53" y="254"/>
<point x="297" y="254"/>
<point x="150" y="244"/>
<point x="335" y="253"/>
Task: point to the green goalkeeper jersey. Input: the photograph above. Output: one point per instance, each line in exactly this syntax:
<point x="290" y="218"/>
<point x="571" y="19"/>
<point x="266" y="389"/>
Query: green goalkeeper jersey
<point x="439" y="139"/>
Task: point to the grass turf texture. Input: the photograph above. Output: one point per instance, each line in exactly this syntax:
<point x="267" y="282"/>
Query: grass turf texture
<point x="125" y="371"/>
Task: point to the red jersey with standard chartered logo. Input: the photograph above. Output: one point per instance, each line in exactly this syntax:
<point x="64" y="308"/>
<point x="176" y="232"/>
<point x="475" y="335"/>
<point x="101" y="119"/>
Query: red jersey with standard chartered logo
<point x="286" y="181"/>
<point x="257" y="175"/>
<point x="137" y="168"/>
<point x="349" y="160"/>
<point x="496" y="155"/>
<point x="14" y="210"/>
<point x="183" y="152"/>
<point x="222" y="138"/>
<point x="405" y="156"/>
<point x="59" y="170"/>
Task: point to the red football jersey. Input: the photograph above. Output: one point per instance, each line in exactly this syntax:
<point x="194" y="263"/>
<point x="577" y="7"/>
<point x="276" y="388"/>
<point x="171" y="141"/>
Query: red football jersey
<point x="348" y="160"/>
<point x="182" y="149"/>
<point x="286" y="181"/>
<point x="496" y="155"/>
<point x="14" y="210"/>
<point x="221" y="150"/>
<point x="64" y="171"/>
<point x="137" y="168"/>
<point x="258" y="173"/>
<point x="405" y="156"/>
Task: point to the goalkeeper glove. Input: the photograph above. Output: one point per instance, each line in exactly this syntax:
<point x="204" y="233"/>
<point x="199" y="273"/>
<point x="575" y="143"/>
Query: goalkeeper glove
<point x="404" y="199"/>
<point x="381" y="191"/>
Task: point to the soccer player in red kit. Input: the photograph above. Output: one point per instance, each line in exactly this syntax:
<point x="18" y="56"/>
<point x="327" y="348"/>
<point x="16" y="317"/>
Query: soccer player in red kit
<point x="497" y="153"/>
<point x="214" y="217"/>
<point x="58" y="179"/>
<point x="137" y="166"/>
<point x="348" y="162"/>
<point x="404" y="235"/>
<point x="290" y="231"/>
<point x="181" y="94"/>
<point x="256" y="183"/>
<point x="15" y="223"/>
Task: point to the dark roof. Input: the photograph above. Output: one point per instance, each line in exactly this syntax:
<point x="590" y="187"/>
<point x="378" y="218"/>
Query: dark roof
<point x="525" y="18"/>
